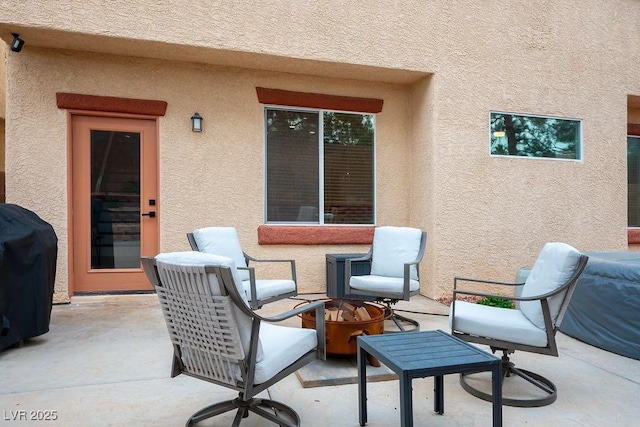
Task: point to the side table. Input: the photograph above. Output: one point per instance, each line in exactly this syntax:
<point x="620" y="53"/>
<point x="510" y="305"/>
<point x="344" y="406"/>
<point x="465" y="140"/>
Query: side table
<point x="424" y="354"/>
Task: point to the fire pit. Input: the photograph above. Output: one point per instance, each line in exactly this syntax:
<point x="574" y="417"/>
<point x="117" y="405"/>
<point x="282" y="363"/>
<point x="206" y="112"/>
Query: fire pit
<point x="347" y="319"/>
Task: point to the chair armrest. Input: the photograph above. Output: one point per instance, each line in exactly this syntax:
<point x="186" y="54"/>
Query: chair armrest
<point x="249" y="258"/>
<point x="490" y="282"/>
<point x="512" y="298"/>
<point x="317" y="305"/>
<point x="484" y="294"/>
<point x="365" y="257"/>
<point x="347" y="269"/>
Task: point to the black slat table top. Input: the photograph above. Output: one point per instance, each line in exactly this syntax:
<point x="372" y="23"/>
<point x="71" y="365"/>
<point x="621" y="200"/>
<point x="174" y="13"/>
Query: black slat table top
<point x="424" y="351"/>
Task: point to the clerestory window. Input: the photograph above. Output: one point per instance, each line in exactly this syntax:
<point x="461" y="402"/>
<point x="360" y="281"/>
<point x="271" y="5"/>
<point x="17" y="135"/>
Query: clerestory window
<point x="535" y="136"/>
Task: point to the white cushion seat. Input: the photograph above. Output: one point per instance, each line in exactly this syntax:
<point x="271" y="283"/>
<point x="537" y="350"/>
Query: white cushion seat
<point x="382" y="284"/>
<point x="267" y="288"/>
<point x="503" y="323"/>
<point x="282" y="345"/>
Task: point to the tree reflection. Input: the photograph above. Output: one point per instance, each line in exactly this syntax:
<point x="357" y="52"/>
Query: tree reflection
<point x="531" y="136"/>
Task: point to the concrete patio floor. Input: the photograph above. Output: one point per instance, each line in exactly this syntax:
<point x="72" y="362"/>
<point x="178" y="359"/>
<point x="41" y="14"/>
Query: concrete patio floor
<point x="106" y="362"/>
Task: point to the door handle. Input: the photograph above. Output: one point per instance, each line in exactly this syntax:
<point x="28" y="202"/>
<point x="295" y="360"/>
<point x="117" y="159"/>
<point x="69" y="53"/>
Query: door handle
<point x="151" y="214"/>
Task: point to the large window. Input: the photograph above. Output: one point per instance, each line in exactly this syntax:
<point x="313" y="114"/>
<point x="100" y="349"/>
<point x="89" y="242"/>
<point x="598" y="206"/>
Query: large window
<point x="319" y="167"/>
<point x="535" y="136"/>
<point x="633" y="180"/>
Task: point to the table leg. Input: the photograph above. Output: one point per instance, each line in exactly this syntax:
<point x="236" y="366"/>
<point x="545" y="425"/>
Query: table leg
<point x="438" y="394"/>
<point x="496" y="386"/>
<point x="406" y="401"/>
<point x="362" y="385"/>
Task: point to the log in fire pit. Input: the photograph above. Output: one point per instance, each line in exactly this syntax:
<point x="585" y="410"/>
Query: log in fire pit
<point x="347" y="319"/>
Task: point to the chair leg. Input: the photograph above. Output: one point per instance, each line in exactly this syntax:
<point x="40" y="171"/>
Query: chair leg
<point x="212" y="411"/>
<point x="509" y="370"/>
<point x="403" y="323"/>
<point x="273" y="411"/>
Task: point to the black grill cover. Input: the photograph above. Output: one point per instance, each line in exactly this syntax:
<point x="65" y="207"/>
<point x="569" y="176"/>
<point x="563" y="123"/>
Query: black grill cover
<point x="28" y="252"/>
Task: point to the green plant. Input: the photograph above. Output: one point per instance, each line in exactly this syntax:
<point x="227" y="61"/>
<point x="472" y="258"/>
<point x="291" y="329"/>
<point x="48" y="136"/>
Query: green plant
<point x="496" y="302"/>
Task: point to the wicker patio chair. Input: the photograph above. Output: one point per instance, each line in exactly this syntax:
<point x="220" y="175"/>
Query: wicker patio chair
<point x="216" y="337"/>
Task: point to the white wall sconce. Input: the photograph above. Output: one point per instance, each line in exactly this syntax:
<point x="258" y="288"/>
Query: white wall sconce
<point x="17" y="43"/>
<point x="196" y="122"/>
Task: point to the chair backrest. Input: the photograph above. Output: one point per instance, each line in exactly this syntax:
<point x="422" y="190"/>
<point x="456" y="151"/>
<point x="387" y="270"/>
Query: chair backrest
<point x="392" y="248"/>
<point x="214" y="335"/>
<point x="222" y="241"/>
<point x="556" y="265"/>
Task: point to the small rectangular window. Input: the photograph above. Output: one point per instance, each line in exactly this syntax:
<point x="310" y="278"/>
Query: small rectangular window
<point x="535" y="136"/>
<point x="319" y="161"/>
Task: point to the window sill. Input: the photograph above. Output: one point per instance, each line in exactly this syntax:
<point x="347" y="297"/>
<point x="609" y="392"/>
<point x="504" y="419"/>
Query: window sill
<point x="633" y="235"/>
<point x="314" y="235"/>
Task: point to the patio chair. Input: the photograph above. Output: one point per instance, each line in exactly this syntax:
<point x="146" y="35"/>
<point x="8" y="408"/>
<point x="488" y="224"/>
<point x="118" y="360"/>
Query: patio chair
<point x="217" y="338"/>
<point x="224" y="241"/>
<point x="531" y="326"/>
<point x="395" y="256"/>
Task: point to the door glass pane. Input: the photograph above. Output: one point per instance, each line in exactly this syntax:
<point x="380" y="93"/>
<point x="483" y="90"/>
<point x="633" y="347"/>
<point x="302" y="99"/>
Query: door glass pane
<point x="115" y="199"/>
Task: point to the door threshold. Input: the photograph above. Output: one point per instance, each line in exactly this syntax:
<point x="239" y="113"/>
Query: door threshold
<point x="113" y="297"/>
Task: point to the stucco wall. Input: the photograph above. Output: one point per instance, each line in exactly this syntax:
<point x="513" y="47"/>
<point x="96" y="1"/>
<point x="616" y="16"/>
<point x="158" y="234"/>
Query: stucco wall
<point x="486" y="216"/>
<point x="209" y="178"/>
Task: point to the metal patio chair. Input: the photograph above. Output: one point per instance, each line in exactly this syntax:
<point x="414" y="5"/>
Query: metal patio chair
<point x="216" y="337"/>
<point x="224" y="241"/>
<point x="395" y="256"/>
<point x="531" y="326"/>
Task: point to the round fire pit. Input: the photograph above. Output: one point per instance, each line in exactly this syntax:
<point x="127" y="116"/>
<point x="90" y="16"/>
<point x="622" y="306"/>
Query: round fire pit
<point x="347" y="319"/>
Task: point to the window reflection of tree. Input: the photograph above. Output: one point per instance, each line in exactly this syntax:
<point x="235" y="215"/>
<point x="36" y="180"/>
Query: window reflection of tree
<point x="533" y="136"/>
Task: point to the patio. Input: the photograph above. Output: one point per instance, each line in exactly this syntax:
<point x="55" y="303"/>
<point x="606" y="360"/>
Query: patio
<point x="106" y="362"/>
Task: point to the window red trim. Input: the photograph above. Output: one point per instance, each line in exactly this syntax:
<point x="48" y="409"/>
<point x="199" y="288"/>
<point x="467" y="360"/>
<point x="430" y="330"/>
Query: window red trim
<point x="633" y="129"/>
<point x="318" y="100"/>
<point x="75" y="101"/>
<point x="633" y="235"/>
<point x="314" y="235"/>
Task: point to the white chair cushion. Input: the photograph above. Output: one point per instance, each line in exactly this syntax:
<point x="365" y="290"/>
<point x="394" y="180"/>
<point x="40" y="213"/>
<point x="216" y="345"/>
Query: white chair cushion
<point x="382" y="284"/>
<point x="555" y="265"/>
<point x="222" y="241"/>
<point x="267" y="288"/>
<point x="500" y="323"/>
<point x="199" y="259"/>
<point x="282" y="346"/>
<point x="392" y="248"/>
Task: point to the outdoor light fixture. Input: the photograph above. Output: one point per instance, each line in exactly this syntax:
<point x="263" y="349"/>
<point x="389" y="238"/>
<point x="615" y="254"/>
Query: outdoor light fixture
<point x="196" y="122"/>
<point x="17" y="43"/>
<point x="499" y="133"/>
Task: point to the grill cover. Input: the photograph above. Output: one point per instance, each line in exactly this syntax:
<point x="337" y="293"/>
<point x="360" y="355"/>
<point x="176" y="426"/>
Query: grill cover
<point x="28" y="253"/>
<point x="603" y="311"/>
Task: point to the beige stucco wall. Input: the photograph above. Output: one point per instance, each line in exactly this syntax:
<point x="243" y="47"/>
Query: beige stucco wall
<point x="209" y="178"/>
<point x="440" y="67"/>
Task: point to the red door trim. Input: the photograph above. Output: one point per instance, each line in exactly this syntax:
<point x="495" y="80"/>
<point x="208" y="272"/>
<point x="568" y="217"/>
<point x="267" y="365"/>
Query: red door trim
<point x="111" y="104"/>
